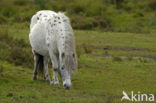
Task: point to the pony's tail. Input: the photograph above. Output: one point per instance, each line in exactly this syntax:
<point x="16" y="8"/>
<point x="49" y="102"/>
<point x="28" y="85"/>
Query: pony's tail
<point x="40" y="65"/>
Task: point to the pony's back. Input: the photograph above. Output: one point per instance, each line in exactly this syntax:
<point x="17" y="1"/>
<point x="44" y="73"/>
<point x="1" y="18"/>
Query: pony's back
<point x="39" y="15"/>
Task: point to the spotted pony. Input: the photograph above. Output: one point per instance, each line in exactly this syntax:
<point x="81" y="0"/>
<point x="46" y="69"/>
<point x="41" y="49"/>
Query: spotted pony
<point x="51" y="37"/>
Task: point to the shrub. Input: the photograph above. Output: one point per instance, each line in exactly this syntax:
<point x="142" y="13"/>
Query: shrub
<point x="16" y="51"/>
<point x="87" y="49"/>
<point x="1" y="69"/>
<point x="77" y="8"/>
<point x="2" y="19"/>
<point x="130" y="58"/>
<point x="80" y="22"/>
<point x="20" y="43"/>
<point x="152" y="21"/>
<point x="41" y="3"/>
<point x="117" y="58"/>
<point x="20" y="2"/>
<point x="102" y="22"/>
<point x="21" y="56"/>
<point x="78" y="50"/>
<point x="4" y="37"/>
<point x="9" y="12"/>
<point x="152" y="4"/>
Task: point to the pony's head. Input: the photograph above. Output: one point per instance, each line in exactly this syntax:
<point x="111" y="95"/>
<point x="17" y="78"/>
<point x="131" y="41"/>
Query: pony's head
<point x="68" y="64"/>
<point x="68" y="57"/>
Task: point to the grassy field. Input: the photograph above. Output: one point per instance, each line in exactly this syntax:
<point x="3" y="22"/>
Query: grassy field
<point x="102" y="74"/>
<point x="116" y="47"/>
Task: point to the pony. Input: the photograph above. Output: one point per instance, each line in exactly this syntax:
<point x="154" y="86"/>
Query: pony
<point x="51" y="38"/>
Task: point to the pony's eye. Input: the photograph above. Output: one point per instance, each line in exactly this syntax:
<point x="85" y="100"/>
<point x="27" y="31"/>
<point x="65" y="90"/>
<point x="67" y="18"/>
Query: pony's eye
<point x="62" y="68"/>
<point x="73" y="55"/>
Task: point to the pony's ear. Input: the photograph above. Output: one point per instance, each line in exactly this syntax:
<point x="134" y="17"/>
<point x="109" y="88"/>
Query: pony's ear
<point x="63" y="55"/>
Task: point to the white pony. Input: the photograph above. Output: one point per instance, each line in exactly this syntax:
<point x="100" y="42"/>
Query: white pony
<point x="51" y="36"/>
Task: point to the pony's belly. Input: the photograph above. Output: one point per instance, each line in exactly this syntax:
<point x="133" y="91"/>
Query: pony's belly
<point x="37" y="41"/>
<point x="39" y="47"/>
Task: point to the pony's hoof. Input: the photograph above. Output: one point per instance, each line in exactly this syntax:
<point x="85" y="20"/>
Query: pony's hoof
<point x="55" y="84"/>
<point x="48" y="81"/>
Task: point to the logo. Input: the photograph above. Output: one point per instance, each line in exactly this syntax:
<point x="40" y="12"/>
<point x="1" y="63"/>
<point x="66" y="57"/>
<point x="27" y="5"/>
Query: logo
<point x="137" y="97"/>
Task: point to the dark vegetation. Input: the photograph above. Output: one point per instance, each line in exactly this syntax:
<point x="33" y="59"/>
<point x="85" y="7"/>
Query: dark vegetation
<point x="108" y="15"/>
<point x="15" y="51"/>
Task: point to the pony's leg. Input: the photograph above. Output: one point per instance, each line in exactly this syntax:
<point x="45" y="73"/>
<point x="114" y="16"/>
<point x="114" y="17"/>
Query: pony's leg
<point x="45" y="61"/>
<point x="55" y="81"/>
<point x="36" y="59"/>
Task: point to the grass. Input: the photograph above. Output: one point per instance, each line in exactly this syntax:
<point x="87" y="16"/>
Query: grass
<point x="90" y="43"/>
<point x="103" y="72"/>
<point x="98" y="79"/>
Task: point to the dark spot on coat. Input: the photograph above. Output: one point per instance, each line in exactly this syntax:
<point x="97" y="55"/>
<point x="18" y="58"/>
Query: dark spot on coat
<point x="55" y="69"/>
<point x="59" y="22"/>
<point x="54" y="20"/>
<point x="37" y="18"/>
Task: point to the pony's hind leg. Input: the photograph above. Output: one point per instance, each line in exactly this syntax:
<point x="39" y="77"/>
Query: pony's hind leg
<point x="45" y="61"/>
<point x="36" y="60"/>
<point x="55" y="81"/>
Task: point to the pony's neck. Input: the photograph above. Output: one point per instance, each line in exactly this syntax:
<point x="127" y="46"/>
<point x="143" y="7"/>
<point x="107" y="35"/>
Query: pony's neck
<point x="67" y="37"/>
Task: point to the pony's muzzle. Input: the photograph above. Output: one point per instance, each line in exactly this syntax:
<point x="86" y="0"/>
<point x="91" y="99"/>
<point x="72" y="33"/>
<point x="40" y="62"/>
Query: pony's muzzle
<point x="67" y="84"/>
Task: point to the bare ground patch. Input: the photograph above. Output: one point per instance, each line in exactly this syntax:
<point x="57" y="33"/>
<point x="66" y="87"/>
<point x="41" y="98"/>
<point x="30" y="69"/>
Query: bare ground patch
<point x="122" y="48"/>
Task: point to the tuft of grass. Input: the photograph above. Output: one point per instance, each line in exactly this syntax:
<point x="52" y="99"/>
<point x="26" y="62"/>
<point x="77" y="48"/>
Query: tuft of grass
<point x="79" y="50"/>
<point x="20" y="2"/>
<point x="152" y="4"/>
<point x="87" y="48"/>
<point x="129" y="58"/>
<point x="1" y="69"/>
<point x="117" y="59"/>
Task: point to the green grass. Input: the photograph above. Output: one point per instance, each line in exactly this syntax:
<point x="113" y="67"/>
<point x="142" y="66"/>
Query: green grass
<point x="124" y="44"/>
<point x="116" y="39"/>
<point x="98" y="79"/>
<point x="102" y="72"/>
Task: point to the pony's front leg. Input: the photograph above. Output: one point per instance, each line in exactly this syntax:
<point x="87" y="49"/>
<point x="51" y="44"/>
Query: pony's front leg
<point x="45" y="61"/>
<point x="55" y="81"/>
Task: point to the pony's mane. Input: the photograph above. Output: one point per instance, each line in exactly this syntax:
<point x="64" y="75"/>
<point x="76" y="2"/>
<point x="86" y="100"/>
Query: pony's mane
<point x="70" y="43"/>
<point x="63" y="16"/>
